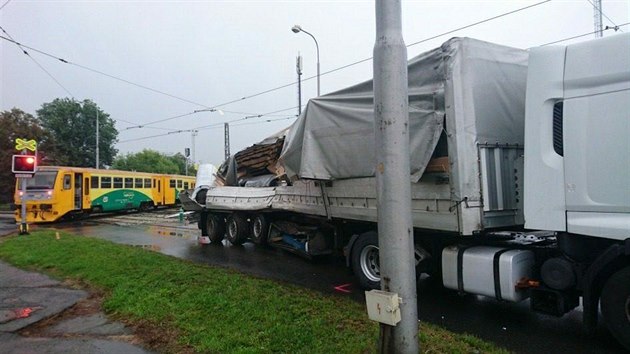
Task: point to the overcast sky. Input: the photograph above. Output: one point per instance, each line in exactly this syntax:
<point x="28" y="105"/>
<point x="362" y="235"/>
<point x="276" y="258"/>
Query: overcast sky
<point x="212" y="52"/>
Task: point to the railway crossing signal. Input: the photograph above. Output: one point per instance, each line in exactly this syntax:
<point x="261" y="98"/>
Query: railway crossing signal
<point x="23" y="144"/>
<point x="24" y="164"/>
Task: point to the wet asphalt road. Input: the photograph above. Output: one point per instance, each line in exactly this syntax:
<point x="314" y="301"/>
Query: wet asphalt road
<point x="512" y="326"/>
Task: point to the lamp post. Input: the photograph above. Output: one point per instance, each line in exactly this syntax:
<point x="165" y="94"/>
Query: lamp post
<point x="297" y="29"/>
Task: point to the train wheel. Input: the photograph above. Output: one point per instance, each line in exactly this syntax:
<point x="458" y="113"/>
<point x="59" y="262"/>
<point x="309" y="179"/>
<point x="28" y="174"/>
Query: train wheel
<point x="260" y="229"/>
<point x="615" y="302"/>
<point x="237" y="229"/>
<point x="215" y="228"/>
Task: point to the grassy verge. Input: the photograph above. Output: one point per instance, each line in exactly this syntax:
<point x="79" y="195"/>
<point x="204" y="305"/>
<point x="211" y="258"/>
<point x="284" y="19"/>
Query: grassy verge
<point x="209" y="309"/>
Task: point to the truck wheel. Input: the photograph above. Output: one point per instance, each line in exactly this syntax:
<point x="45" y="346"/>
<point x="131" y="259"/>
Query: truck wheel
<point x="260" y="229"/>
<point x="615" y="302"/>
<point x="215" y="228"/>
<point x="365" y="261"/>
<point x="237" y="229"/>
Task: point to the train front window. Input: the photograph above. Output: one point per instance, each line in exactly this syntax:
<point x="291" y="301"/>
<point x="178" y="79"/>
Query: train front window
<point x="40" y="180"/>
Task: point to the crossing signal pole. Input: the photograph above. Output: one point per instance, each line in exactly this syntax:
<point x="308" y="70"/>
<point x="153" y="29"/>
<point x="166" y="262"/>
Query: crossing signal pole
<point x="24" y="166"/>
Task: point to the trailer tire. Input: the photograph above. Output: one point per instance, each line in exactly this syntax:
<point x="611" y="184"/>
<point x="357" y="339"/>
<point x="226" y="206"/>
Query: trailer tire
<point x="237" y="229"/>
<point x="260" y="229"/>
<point x="365" y="261"/>
<point x="215" y="228"/>
<point x="615" y="303"/>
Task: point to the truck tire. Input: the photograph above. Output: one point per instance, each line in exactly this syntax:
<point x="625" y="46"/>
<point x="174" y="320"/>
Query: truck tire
<point x="215" y="228"/>
<point x="615" y="302"/>
<point x="237" y="229"/>
<point x="260" y="229"/>
<point x="365" y="261"/>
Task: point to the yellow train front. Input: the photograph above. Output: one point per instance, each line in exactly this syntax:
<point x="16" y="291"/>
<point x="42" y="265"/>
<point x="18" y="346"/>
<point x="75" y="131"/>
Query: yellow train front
<point x="56" y="192"/>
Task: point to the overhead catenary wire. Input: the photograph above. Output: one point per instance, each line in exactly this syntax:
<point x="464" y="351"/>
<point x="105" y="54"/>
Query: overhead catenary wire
<point x="370" y="58"/>
<point x="103" y="73"/>
<point x="275" y="88"/>
<point x="607" y="28"/>
<point x="249" y="115"/>
<point x="5" y="4"/>
<point x="36" y="62"/>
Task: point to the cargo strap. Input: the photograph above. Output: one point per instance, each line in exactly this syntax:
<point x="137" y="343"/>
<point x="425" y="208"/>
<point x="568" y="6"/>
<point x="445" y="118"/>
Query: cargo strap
<point x="497" y="275"/>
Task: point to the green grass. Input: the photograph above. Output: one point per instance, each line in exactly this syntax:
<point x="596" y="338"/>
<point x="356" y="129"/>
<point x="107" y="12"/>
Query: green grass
<point x="213" y="309"/>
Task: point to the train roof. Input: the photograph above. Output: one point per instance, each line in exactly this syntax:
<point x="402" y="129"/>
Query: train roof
<point x="108" y="172"/>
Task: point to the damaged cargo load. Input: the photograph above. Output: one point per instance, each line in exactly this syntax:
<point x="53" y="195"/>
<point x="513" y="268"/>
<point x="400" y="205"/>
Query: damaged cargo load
<point x="466" y="135"/>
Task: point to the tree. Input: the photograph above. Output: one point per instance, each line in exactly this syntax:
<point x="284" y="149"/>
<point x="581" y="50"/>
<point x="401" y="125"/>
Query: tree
<point x="152" y="161"/>
<point x="18" y="124"/>
<point x="72" y="125"/>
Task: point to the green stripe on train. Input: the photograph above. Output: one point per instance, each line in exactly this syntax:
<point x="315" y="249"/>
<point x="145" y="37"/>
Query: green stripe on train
<point x="120" y="199"/>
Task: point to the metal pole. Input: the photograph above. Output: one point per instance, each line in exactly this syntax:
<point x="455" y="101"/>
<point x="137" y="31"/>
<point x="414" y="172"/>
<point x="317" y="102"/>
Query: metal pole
<point x="226" y="139"/>
<point x="97" y="139"/>
<point x="395" y="231"/>
<point x="597" y="17"/>
<point x="298" y="68"/>
<point x="193" y="134"/>
<point x="317" y="47"/>
<point x="186" y="165"/>
<point x="23" y="226"/>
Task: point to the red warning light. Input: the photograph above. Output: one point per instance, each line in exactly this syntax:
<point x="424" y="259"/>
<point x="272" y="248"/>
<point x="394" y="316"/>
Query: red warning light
<point x="24" y="164"/>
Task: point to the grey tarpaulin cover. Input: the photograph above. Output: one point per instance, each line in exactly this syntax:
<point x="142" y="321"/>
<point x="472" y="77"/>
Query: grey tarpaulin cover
<point x="481" y="84"/>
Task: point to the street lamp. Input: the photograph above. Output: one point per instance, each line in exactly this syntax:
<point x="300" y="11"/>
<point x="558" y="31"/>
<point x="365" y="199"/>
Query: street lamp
<point x="297" y="29"/>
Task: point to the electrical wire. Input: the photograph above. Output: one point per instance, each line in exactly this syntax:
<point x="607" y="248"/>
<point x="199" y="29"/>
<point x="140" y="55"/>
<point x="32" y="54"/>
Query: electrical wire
<point x="103" y="73"/>
<point x="602" y="12"/>
<point x="585" y="34"/>
<point x="5" y="4"/>
<point x="275" y="88"/>
<point x="36" y="62"/>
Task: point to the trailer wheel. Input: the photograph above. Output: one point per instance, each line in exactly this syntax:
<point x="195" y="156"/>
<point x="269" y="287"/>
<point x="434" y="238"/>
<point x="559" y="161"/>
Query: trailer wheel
<point x="365" y="261"/>
<point x="215" y="228"/>
<point x="260" y="229"/>
<point x="237" y="229"/>
<point x="615" y="302"/>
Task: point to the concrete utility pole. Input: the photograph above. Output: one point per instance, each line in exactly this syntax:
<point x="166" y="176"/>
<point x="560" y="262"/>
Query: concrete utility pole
<point x="393" y="182"/>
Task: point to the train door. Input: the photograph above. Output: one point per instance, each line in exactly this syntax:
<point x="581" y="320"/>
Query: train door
<point x="78" y="191"/>
<point x="87" y="201"/>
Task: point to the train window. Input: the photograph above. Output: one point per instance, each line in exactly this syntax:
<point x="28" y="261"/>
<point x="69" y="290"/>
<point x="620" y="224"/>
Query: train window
<point x="106" y="182"/>
<point x="185" y="185"/>
<point x="94" y="182"/>
<point x="179" y="183"/>
<point x="128" y="182"/>
<point x="154" y="183"/>
<point x="147" y="183"/>
<point x="67" y="179"/>
<point x="171" y="183"/>
<point x="137" y="183"/>
<point x="159" y="186"/>
<point x="118" y="182"/>
<point x="86" y="188"/>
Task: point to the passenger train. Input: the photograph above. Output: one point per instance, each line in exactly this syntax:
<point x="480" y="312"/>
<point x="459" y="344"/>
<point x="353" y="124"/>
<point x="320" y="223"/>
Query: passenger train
<point x="56" y="192"/>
